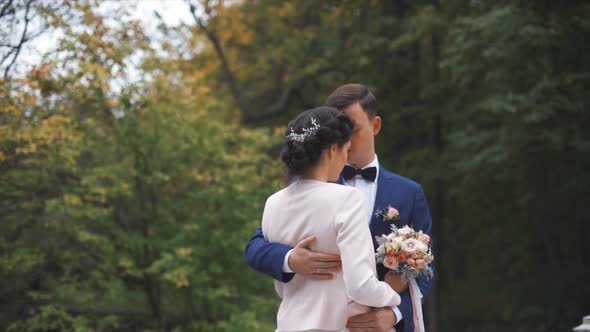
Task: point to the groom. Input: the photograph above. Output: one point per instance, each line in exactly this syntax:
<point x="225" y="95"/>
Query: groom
<point x="382" y="189"/>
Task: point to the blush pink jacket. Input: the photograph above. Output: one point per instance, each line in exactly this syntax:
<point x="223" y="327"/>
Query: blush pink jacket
<point x="337" y="215"/>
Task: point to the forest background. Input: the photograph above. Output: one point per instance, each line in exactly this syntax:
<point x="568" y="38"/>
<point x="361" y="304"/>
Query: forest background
<point x="135" y="163"/>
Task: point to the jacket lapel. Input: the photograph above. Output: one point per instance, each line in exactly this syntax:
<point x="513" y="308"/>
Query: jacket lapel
<point x="378" y="226"/>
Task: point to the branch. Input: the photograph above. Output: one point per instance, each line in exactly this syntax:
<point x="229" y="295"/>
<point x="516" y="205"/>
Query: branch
<point x="5" y="8"/>
<point x="279" y="107"/>
<point x="229" y="76"/>
<point x="23" y="38"/>
<point x="294" y="91"/>
<point x="7" y="55"/>
<point x="247" y="117"/>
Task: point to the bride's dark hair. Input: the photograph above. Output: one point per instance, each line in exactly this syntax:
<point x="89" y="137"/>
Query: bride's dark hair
<point x="310" y="133"/>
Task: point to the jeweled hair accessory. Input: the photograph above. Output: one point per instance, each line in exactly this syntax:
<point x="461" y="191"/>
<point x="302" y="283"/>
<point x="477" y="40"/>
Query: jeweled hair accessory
<point x="309" y="131"/>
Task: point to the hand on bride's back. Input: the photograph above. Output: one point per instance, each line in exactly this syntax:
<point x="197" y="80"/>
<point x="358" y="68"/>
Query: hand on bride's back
<point x="313" y="265"/>
<point x="375" y="320"/>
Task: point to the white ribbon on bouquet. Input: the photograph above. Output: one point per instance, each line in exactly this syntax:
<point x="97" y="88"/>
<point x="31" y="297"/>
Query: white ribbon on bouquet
<point x="416" y="296"/>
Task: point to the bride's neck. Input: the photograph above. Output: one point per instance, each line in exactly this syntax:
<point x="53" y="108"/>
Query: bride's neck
<point x="318" y="173"/>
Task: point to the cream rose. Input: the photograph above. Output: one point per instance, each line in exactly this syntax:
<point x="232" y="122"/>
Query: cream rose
<point x="422" y="246"/>
<point x="392" y="246"/>
<point x="420" y="263"/>
<point x="388" y="246"/>
<point x="410" y="246"/>
<point x="404" y="230"/>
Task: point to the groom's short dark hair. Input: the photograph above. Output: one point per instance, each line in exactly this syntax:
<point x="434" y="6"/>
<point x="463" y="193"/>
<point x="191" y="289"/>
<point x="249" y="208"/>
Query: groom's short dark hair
<point x="349" y="94"/>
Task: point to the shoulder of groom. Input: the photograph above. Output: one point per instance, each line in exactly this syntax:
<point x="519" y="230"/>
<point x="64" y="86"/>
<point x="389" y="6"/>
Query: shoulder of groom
<point x="398" y="180"/>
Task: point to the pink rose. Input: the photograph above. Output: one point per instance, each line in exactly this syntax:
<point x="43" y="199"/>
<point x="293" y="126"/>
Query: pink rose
<point x="392" y="214"/>
<point x="423" y="237"/>
<point x="410" y="246"/>
<point x="390" y="263"/>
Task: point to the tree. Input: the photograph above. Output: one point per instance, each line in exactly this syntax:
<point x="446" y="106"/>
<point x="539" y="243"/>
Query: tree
<point x="128" y="204"/>
<point x="22" y="21"/>
<point x="126" y="195"/>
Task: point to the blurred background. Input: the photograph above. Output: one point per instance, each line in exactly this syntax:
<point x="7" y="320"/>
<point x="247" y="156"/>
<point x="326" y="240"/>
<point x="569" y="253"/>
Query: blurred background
<point x="139" y="141"/>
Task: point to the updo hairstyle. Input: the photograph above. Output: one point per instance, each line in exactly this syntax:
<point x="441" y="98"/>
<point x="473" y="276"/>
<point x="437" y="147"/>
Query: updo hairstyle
<point x="310" y="133"/>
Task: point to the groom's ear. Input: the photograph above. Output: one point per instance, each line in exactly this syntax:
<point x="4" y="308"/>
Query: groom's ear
<point x="376" y="122"/>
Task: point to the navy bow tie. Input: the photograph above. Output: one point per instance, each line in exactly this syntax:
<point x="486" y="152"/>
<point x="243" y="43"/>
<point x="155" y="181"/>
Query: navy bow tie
<point x="369" y="173"/>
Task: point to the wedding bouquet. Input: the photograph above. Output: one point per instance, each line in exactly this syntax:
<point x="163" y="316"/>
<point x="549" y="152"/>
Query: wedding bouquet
<point x="405" y="251"/>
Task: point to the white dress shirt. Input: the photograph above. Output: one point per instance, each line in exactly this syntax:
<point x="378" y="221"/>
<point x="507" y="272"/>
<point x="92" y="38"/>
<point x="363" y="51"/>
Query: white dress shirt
<point x="367" y="187"/>
<point x="370" y="191"/>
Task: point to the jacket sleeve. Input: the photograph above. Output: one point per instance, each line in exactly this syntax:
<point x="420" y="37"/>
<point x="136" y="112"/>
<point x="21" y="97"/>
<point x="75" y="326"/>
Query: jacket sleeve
<point x="420" y="220"/>
<point x="267" y="257"/>
<point x="358" y="257"/>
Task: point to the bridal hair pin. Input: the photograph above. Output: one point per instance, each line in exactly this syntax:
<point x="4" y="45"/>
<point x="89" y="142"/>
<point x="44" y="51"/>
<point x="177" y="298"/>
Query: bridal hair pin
<point x="306" y="132"/>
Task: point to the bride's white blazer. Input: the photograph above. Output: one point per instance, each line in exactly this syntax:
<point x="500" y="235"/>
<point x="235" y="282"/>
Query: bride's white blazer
<point x="337" y="215"/>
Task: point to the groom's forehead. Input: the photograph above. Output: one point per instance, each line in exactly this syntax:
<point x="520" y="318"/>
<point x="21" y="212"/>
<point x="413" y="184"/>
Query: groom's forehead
<point x="356" y="112"/>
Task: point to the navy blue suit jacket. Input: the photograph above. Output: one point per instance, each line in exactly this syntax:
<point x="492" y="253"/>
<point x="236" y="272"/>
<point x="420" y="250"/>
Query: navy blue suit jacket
<point x="393" y="190"/>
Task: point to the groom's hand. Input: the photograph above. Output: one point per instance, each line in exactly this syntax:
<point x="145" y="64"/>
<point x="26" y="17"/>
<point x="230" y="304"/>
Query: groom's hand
<point x="396" y="282"/>
<point x="313" y="265"/>
<point x="376" y="320"/>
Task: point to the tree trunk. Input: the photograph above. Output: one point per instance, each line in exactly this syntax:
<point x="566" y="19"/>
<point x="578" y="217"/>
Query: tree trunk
<point x="146" y="203"/>
<point x="539" y="205"/>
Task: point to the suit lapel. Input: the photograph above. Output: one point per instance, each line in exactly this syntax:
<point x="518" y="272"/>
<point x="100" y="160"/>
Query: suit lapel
<point x="377" y="225"/>
<point x="382" y="193"/>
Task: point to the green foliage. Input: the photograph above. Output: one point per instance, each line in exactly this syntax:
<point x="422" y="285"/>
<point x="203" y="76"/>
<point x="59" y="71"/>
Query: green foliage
<point x="484" y="104"/>
<point x="125" y="204"/>
<point x="129" y="222"/>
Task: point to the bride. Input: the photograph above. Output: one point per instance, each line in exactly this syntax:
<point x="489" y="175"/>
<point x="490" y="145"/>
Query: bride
<point x="315" y="152"/>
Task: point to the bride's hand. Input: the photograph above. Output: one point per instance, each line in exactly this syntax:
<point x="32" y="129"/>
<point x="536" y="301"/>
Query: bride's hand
<point x="313" y="265"/>
<point x="396" y="282"/>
